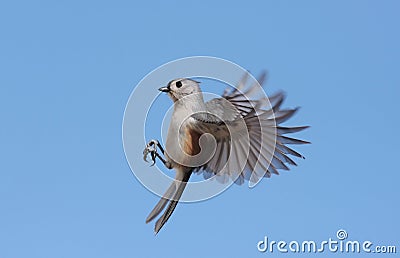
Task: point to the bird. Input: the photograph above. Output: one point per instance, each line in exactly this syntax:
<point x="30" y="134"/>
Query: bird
<point x="248" y="140"/>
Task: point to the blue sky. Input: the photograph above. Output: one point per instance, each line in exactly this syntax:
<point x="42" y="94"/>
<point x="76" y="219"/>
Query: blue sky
<point x="68" y="68"/>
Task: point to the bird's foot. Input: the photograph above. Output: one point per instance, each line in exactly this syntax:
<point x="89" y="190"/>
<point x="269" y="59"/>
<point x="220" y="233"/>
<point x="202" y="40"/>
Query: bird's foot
<point x="151" y="148"/>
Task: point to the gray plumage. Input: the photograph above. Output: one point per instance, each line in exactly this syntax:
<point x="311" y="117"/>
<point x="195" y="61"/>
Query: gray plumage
<point x="258" y="148"/>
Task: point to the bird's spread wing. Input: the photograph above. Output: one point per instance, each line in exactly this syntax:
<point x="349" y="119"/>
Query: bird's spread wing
<point x="258" y="151"/>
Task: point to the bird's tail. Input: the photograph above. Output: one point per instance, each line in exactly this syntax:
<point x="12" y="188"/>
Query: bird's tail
<point x="173" y="194"/>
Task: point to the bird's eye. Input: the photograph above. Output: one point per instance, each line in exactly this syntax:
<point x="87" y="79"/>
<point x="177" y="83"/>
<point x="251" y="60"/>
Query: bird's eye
<point x="178" y="84"/>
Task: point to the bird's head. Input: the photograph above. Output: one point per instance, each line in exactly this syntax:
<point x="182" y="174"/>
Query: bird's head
<point x="180" y="88"/>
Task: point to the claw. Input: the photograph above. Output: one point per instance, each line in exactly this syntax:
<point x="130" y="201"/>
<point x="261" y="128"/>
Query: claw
<point x="150" y="150"/>
<point x="153" y="157"/>
<point x="145" y="153"/>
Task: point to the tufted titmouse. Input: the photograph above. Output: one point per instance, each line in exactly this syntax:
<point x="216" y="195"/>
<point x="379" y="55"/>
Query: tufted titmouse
<point x="247" y="140"/>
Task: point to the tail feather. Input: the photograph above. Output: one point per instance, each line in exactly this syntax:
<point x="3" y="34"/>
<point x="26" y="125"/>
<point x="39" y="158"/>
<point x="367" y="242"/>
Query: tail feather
<point x="174" y="201"/>
<point x="162" y="203"/>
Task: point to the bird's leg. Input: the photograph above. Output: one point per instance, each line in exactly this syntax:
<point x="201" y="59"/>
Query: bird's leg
<point x="151" y="148"/>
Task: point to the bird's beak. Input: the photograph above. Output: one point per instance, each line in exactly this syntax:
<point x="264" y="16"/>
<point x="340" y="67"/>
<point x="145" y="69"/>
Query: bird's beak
<point x="164" y="89"/>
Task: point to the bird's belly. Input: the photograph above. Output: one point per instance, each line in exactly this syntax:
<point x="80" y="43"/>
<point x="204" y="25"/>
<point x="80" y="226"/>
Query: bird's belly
<point x="182" y="144"/>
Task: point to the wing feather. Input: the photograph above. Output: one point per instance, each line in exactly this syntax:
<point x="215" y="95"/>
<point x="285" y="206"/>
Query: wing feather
<point x="267" y="151"/>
